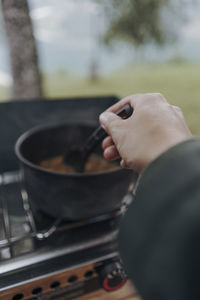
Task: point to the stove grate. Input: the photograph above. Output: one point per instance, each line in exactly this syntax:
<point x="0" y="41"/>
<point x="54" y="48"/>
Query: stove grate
<point x="8" y="240"/>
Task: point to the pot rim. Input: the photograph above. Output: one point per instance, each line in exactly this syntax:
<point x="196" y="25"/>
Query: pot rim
<point x="36" y="129"/>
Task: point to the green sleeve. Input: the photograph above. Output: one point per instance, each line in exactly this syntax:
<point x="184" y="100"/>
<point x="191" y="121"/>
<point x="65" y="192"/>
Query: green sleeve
<point x="160" y="234"/>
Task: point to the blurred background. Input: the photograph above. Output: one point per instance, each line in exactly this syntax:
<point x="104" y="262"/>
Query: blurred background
<point x="75" y="48"/>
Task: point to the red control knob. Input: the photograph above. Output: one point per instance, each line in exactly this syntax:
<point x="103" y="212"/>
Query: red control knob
<point x="112" y="276"/>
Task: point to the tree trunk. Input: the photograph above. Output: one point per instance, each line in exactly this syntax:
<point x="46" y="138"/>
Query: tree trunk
<point x="23" y="54"/>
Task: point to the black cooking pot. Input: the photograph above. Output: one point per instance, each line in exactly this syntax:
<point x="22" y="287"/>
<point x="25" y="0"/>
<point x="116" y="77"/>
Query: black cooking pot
<point x="70" y="196"/>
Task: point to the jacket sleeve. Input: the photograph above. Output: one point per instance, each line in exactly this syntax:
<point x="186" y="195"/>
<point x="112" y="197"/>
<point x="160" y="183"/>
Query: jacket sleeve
<point x="160" y="234"/>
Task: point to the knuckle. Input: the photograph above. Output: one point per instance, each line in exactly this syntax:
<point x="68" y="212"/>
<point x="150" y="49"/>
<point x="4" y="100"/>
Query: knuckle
<point x="177" y="108"/>
<point x="147" y="99"/>
<point x="159" y="97"/>
<point x="155" y="97"/>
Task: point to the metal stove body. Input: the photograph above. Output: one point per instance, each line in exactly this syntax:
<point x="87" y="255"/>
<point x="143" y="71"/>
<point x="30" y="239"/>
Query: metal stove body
<point x="43" y="258"/>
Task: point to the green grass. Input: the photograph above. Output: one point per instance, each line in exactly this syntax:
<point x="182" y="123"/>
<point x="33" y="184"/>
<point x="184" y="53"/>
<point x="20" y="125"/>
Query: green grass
<point x="180" y="84"/>
<point x="4" y="93"/>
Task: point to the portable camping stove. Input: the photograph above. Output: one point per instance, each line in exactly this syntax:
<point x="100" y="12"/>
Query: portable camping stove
<point x="43" y="258"/>
<point x="54" y="258"/>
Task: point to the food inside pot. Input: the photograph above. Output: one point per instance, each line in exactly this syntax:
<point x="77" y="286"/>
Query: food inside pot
<point x="94" y="164"/>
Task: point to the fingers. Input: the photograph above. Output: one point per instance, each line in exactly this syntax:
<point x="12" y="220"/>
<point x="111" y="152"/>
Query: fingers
<point x="120" y="104"/>
<point x="109" y="121"/>
<point x="123" y="164"/>
<point x="147" y="113"/>
<point x="111" y="153"/>
<point x="107" y="142"/>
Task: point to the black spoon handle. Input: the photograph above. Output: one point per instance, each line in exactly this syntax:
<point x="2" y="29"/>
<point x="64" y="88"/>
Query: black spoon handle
<point x="99" y="134"/>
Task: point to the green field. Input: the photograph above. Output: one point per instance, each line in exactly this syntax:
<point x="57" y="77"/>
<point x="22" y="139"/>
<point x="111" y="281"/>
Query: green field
<point x="180" y="84"/>
<point x="4" y="93"/>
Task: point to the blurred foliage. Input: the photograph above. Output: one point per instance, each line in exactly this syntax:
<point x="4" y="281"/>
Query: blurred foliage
<point x="136" y="21"/>
<point x="178" y="59"/>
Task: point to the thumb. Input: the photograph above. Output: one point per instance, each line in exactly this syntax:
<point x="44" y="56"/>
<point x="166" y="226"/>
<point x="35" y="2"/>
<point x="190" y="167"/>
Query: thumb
<point x="109" y="121"/>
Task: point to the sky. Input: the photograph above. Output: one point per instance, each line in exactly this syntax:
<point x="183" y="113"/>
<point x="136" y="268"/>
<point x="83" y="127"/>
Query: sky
<point x="67" y="33"/>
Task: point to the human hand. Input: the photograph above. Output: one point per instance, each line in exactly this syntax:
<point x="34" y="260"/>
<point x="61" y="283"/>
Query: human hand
<point x="153" y="128"/>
